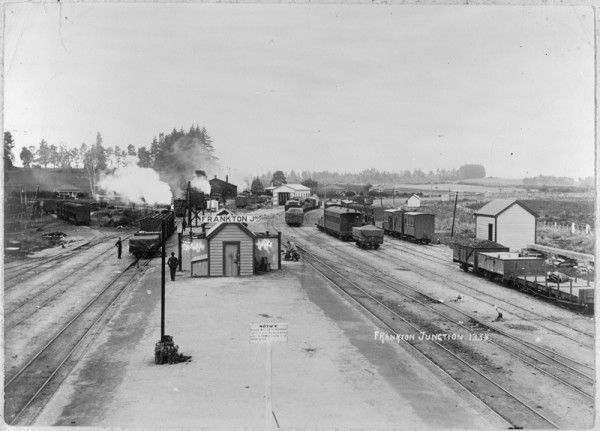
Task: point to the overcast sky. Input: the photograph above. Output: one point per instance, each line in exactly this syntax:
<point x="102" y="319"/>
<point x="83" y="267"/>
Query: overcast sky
<point x="311" y="87"/>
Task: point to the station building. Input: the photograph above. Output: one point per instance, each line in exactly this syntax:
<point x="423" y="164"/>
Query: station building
<point x="228" y="248"/>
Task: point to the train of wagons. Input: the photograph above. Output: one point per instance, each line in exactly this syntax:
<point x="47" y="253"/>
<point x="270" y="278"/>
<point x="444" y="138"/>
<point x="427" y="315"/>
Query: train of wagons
<point x="348" y="224"/>
<point x="74" y="212"/>
<point x="524" y="272"/>
<point x="148" y="240"/>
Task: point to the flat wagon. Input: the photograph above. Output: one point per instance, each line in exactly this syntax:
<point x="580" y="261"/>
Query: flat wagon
<point x="466" y="251"/>
<point x="294" y="216"/>
<point x="367" y="236"/>
<point x="339" y="221"/>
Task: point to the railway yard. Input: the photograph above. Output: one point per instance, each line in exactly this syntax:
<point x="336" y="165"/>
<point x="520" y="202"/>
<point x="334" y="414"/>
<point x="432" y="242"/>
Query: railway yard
<point x="393" y="336"/>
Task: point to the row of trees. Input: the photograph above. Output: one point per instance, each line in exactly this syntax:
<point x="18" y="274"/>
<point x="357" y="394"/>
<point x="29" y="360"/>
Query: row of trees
<point x="174" y="156"/>
<point x="375" y="176"/>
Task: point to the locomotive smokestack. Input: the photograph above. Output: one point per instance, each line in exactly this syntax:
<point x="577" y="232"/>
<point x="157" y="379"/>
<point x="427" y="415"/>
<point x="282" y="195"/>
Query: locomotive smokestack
<point x="227" y="178"/>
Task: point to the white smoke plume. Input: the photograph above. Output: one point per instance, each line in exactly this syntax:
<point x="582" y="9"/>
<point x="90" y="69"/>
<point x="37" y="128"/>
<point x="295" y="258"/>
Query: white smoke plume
<point x="200" y="182"/>
<point x="136" y="184"/>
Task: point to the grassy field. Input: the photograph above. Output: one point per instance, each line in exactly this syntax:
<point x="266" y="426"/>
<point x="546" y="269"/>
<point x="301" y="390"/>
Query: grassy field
<point x="561" y="211"/>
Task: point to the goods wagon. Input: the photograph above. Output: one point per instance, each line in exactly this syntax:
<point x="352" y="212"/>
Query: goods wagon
<point x="179" y="206"/>
<point x="241" y="201"/>
<point x="310" y="203"/>
<point x="153" y="223"/>
<point x="291" y="203"/>
<point x="466" y="251"/>
<point x="339" y="221"/>
<point x="367" y="236"/>
<point x="144" y="244"/>
<point x="49" y="205"/>
<point x="76" y="213"/>
<point x="509" y="266"/>
<point x="294" y="216"/>
<point x="411" y="225"/>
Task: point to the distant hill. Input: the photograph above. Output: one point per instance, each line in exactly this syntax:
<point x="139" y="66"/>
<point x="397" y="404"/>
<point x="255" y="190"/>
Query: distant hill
<point x="48" y="179"/>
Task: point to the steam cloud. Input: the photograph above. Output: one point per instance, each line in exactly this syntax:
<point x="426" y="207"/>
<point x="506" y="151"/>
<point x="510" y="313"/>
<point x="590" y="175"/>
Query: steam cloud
<point x="136" y="184"/>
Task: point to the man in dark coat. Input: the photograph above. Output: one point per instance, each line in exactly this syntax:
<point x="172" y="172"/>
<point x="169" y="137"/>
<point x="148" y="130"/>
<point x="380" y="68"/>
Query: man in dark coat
<point x="173" y="262"/>
<point x="119" y="246"/>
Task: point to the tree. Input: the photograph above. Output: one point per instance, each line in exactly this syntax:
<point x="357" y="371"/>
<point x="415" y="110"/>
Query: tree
<point x="278" y="179"/>
<point x="469" y="171"/>
<point x="9" y="157"/>
<point x="53" y="155"/>
<point x="43" y="154"/>
<point x="145" y="159"/>
<point x="94" y="161"/>
<point x="131" y="150"/>
<point x="257" y="187"/>
<point x="26" y="157"/>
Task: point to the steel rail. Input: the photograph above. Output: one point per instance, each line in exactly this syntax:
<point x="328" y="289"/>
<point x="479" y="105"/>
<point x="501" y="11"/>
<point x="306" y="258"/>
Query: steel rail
<point x="31" y="363"/>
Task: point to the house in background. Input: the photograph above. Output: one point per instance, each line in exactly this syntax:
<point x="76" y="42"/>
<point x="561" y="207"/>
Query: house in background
<point x="290" y="191"/>
<point x="413" y="202"/>
<point x="67" y="191"/>
<point x="222" y="190"/>
<point x="507" y="222"/>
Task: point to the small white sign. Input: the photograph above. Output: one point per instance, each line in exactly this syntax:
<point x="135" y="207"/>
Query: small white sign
<point x="229" y="218"/>
<point x="268" y="332"/>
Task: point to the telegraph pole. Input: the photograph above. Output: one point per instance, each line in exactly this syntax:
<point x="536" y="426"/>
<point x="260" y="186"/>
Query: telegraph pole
<point x="162" y="283"/>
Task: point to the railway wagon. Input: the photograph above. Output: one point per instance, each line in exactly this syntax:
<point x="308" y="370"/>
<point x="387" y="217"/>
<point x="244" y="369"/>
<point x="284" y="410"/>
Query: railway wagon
<point x="339" y="221"/>
<point x="241" y="201"/>
<point x="367" y="236"/>
<point x="179" y="206"/>
<point x="291" y="203"/>
<point x="145" y="244"/>
<point x="411" y="225"/>
<point x="466" y="251"/>
<point x="294" y="216"/>
<point x="418" y="226"/>
<point x="310" y="203"/>
<point x="49" y="205"/>
<point x="153" y="223"/>
<point x="73" y="212"/>
<point x="510" y="266"/>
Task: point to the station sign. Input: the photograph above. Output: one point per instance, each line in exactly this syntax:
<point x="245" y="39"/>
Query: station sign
<point x="268" y="332"/>
<point x="229" y="218"/>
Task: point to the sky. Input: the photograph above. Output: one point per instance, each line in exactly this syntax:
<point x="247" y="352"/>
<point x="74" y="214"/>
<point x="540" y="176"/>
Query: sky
<point x="338" y="87"/>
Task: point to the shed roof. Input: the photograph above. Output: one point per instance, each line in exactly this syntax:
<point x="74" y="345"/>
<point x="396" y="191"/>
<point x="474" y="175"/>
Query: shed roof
<point x="220" y="226"/>
<point x="295" y="187"/>
<point x="498" y="206"/>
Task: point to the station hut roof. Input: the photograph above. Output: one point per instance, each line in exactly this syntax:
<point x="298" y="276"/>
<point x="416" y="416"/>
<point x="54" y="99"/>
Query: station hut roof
<point x="498" y="206"/>
<point x="295" y="187"/>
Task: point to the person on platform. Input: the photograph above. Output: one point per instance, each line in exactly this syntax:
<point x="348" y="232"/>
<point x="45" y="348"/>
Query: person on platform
<point x="291" y="247"/>
<point x="184" y="224"/>
<point x="119" y="246"/>
<point x="173" y="262"/>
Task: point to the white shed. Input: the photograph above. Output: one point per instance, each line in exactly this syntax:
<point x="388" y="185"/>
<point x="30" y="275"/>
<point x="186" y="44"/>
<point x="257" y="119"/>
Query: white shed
<point x="289" y="191"/>
<point x="508" y="222"/>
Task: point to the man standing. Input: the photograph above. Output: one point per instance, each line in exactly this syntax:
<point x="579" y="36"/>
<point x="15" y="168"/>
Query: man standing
<point x="119" y="246"/>
<point x="173" y="262"/>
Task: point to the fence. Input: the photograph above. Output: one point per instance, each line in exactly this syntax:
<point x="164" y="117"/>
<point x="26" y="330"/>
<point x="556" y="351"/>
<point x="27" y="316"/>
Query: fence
<point x="572" y="227"/>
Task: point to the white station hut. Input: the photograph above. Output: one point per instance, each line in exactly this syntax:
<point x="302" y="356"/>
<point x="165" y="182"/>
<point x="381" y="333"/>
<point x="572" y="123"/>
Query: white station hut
<point x="507" y="222"/>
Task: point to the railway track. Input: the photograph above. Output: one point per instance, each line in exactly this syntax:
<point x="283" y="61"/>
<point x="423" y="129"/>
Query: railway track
<point x="26" y="389"/>
<point x="514" y="410"/>
<point x="573" y="375"/>
<point x="21" y="272"/>
<point x="584" y="339"/>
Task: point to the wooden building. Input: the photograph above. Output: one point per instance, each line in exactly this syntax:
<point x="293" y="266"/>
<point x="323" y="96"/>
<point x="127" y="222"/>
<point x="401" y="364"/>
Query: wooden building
<point x="290" y="191"/>
<point x="230" y="250"/>
<point x="222" y="190"/>
<point x="507" y="222"/>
